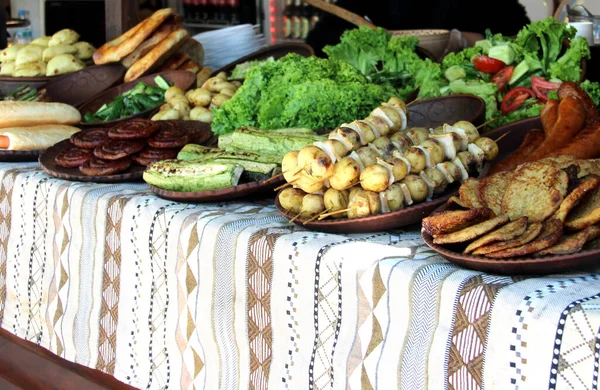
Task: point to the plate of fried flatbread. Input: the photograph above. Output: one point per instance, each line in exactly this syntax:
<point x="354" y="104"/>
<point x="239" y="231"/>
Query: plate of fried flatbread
<point x="541" y="217"/>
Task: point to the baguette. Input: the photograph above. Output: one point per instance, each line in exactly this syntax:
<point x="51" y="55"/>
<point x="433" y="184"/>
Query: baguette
<point x="39" y="137"/>
<point x="118" y="48"/>
<point x="37" y="113"/>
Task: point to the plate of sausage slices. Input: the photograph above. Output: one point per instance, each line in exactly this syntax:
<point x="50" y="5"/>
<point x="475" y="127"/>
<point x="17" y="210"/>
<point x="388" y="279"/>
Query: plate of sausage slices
<point x="122" y="152"/>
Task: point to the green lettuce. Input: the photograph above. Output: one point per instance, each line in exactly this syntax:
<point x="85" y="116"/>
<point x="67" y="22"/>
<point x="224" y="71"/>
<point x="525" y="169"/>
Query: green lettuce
<point x="568" y="66"/>
<point x="593" y="89"/>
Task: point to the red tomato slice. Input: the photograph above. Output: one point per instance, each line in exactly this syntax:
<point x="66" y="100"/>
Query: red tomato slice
<point x="515" y="99"/>
<point x="502" y="77"/>
<point x="487" y="64"/>
<point x="541" y="87"/>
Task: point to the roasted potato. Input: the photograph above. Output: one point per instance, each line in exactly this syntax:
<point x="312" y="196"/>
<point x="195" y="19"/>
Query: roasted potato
<point x="201" y="114"/>
<point x="31" y="69"/>
<point x="199" y="97"/>
<point x="172" y="114"/>
<point x="53" y="51"/>
<point x="10" y="53"/>
<point x="219" y="99"/>
<point x="173" y="92"/>
<point x="30" y="53"/>
<point x="64" y="37"/>
<point x="85" y="50"/>
<point x="63" y="63"/>
<point x="41" y="41"/>
<point x="7" y="68"/>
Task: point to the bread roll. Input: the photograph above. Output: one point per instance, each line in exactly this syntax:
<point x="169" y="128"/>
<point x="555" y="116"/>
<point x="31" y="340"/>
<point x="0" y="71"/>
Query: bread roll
<point x="39" y="137"/>
<point x="126" y="43"/>
<point x="63" y="63"/>
<point x="41" y="41"/>
<point x="30" y="69"/>
<point x="64" y="37"/>
<point x="53" y="51"/>
<point x="10" y="53"/>
<point x="85" y="50"/>
<point x="30" y="53"/>
<point x="37" y="113"/>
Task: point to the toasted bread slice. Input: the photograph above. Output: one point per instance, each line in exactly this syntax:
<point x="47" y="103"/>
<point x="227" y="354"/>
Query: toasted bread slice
<point x="118" y="48"/>
<point x="172" y="23"/>
<point x="552" y="231"/>
<point x="451" y="221"/>
<point x="174" y="62"/>
<point x="471" y="232"/>
<point x="507" y="232"/>
<point x="533" y="230"/>
<point x="491" y="190"/>
<point x="589" y="184"/>
<point x="455" y="200"/>
<point x="586" y="213"/>
<point x="158" y="55"/>
<point x="572" y="243"/>
<point x="536" y="190"/>
<point x="468" y="193"/>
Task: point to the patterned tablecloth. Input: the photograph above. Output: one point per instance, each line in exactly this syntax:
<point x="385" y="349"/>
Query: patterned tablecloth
<point x="231" y="296"/>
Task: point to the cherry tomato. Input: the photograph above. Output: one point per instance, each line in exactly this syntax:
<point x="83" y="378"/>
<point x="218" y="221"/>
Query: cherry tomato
<point x="515" y="99"/>
<point x="487" y="64"/>
<point x="541" y="87"/>
<point x="502" y="77"/>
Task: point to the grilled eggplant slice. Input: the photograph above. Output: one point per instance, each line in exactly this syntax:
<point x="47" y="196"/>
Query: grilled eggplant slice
<point x="192" y="176"/>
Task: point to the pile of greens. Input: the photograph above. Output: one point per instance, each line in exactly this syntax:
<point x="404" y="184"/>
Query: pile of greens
<point x="140" y="98"/>
<point x="389" y="61"/>
<point x="297" y="91"/>
<point x="240" y="70"/>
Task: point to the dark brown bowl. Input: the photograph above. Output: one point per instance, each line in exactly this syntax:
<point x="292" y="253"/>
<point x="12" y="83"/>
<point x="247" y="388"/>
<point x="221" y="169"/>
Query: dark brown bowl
<point x="239" y="191"/>
<point x="517" y="266"/>
<point x="516" y="133"/>
<point x="446" y="109"/>
<point x="19" y="155"/>
<point x="78" y="87"/>
<point x="181" y="78"/>
<point x="9" y="84"/>
<point x="276" y="51"/>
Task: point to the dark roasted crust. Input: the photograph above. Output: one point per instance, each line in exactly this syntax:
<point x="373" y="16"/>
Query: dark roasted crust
<point x="99" y="167"/>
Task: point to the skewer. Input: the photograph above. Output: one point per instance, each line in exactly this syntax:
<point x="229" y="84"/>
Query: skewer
<point x="274" y="177"/>
<point x="502" y="136"/>
<point x="323" y="216"/>
<point x="284" y="185"/>
<point x="315" y="216"/>
<point x="295" y="218"/>
<point x="414" y="101"/>
<point x="486" y="123"/>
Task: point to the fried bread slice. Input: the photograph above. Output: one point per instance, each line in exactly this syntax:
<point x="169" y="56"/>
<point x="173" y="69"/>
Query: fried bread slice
<point x="586" y="213"/>
<point x="491" y="190"/>
<point x="468" y="193"/>
<point x="451" y="221"/>
<point x="455" y="200"/>
<point x="589" y="184"/>
<point x="533" y="230"/>
<point x="118" y="48"/>
<point x="552" y="231"/>
<point x="505" y="233"/>
<point x="572" y="243"/>
<point x="536" y="190"/>
<point x="471" y="232"/>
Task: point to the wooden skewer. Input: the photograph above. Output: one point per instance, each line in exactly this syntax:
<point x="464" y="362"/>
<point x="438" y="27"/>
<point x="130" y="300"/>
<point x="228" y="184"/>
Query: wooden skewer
<point x="323" y="216"/>
<point x="274" y="177"/>
<point x="283" y="186"/>
<point x="486" y="123"/>
<point x="502" y="136"/>
<point x="350" y="186"/>
<point x="295" y="218"/>
<point x="315" y="216"/>
<point x="414" y="101"/>
<point x="385" y="162"/>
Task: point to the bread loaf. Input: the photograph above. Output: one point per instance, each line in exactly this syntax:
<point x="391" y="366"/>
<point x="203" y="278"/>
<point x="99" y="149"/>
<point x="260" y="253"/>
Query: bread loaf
<point x="39" y="137"/>
<point x="37" y="113"/>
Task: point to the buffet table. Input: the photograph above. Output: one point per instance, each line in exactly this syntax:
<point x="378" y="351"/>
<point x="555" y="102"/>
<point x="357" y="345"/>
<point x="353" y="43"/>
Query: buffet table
<point x="230" y="295"/>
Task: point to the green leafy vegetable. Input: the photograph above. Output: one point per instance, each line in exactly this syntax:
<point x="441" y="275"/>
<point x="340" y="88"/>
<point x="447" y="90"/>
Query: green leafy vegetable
<point x="568" y="66"/>
<point x="593" y="89"/>
<point x="240" y="70"/>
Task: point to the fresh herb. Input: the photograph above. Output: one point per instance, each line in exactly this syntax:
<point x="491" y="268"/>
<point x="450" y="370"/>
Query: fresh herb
<point x="140" y="98"/>
<point x="24" y="94"/>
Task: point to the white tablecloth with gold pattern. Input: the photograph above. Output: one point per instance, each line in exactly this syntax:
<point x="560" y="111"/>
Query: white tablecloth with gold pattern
<point x="231" y="296"/>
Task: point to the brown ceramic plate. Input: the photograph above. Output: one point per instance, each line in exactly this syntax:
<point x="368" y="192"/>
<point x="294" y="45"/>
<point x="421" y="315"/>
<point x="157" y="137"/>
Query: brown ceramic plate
<point x="239" y="191"/>
<point x="9" y="84"/>
<point x="446" y="109"/>
<point x="515" y="133"/>
<point x="517" y="266"/>
<point x="78" y="87"/>
<point x="19" y="155"/>
<point x="181" y="78"/>
<point x="199" y="133"/>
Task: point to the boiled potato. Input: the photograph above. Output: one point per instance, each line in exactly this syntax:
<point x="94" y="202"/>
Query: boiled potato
<point x="7" y="68"/>
<point x="41" y="41"/>
<point x="172" y="114"/>
<point x="227" y="92"/>
<point x="335" y="200"/>
<point x="375" y="178"/>
<point x="219" y="99"/>
<point x="53" y="51"/>
<point x="291" y="200"/>
<point x="30" y="53"/>
<point x="85" y="50"/>
<point x="64" y="37"/>
<point x="199" y="97"/>
<point x="417" y="187"/>
<point x="10" y="53"/>
<point x="223" y="85"/>
<point x="311" y="205"/>
<point x="183" y="107"/>
<point x="31" y="69"/>
<point x="201" y="114"/>
<point x="489" y="147"/>
<point x="63" y="63"/>
<point x="346" y="173"/>
<point x="172" y="92"/>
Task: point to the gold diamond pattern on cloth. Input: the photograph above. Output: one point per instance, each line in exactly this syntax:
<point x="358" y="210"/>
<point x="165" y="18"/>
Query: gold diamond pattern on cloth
<point x="465" y="362"/>
<point x="109" y="312"/>
<point x="5" y="216"/>
<point x="260" y="275"/>
<point x="367" y="286"/>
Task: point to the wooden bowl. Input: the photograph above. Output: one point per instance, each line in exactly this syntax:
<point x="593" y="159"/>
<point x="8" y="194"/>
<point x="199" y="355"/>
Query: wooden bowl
<point x="276" y="51"/>
<point x="181" y="78"/>
<point x="434" y="41"/>
<point x="78" y="87"/>
<point x="446" y="109"/>
<point x="9" y="84"/>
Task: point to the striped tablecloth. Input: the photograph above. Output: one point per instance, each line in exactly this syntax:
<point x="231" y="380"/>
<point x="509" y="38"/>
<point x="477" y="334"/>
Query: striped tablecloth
<point x="231" y="296"/>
